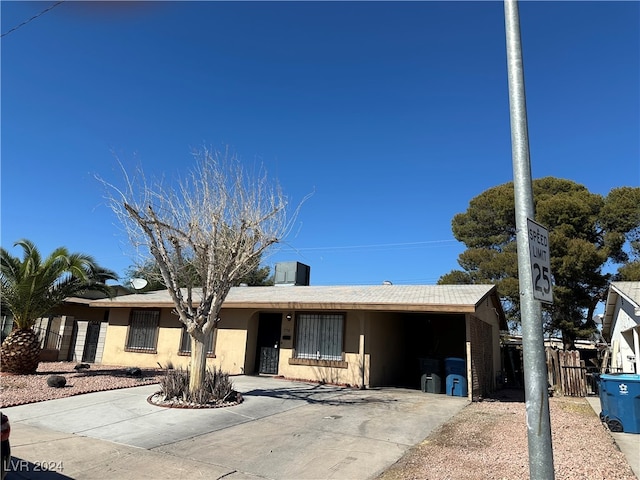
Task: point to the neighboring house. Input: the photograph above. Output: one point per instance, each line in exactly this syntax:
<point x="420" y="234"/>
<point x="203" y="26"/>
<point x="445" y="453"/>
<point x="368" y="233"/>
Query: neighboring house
<point x="621" y="326"/>
<point x="357" y="335"/>
<point x="75" y="331"/>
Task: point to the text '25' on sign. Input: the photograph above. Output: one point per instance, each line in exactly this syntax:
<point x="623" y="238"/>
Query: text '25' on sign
<point x="540" y="261"/>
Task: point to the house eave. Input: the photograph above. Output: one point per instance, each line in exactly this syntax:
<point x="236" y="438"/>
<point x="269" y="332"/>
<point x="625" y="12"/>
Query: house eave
<point x="379" y="307"/>
<point x="416" y="298"/>
<point x="627" y="291"/>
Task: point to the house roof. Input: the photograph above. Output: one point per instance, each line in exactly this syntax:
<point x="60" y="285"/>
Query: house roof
<point x="78" y="300"/>
<point x="89" y="296"/>
<point x="415" y="298"/>
<point x="629" y="291"/>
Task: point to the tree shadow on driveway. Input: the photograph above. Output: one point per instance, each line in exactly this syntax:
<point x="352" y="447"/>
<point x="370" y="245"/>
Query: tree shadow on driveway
<point x="320" y="394"/>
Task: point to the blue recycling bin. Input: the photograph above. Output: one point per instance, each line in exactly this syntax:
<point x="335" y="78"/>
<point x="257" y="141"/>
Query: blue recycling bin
<point x="456" y="366"/>
<point x="604" y="400"/>
<point x="620" y="401"/>
<point x="456" y="385"/>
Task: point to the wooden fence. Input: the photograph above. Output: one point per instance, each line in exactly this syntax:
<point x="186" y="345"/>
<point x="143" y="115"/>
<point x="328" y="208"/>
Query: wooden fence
<point x="568" y="374"/>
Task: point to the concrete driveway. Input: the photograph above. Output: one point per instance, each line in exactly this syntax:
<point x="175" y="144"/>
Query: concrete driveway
<point x="282" y="430"/>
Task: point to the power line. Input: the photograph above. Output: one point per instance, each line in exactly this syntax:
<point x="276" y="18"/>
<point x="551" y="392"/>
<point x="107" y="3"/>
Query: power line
<point x="381" y="245"/>
<point x="32" y="18"/>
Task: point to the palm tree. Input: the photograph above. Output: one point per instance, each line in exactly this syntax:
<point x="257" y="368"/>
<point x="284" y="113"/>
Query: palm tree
<point x="31" y="288"/>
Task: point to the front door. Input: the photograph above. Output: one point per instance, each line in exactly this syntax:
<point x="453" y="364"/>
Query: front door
<point x="91" y="342"/>
<point x="268" y="352"/>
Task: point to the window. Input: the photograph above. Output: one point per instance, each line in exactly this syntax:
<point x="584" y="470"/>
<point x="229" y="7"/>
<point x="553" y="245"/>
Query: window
<point x="319" y="336"/>
<point x="143" y="331"/>
<point x="185" y="342"/>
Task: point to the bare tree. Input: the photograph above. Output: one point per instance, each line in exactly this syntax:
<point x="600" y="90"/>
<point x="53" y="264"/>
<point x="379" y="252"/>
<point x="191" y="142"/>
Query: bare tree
<point x="204" y="234"/>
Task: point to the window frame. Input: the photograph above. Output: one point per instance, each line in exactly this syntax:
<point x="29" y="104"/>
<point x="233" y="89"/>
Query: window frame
<point x="211" y="353"/>
<point x="306" y="360"/>
<point x="148" y="315"/>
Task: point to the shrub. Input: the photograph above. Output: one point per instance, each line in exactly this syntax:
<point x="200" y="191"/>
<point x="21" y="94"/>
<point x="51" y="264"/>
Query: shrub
<point x="219" y="384"/>
<point x="216" y="388"/>
<point x="169" y="365"/>
<point x="175" y="384"/>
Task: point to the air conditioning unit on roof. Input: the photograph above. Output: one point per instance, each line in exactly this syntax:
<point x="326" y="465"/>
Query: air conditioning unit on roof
<point x="292" y="273"/>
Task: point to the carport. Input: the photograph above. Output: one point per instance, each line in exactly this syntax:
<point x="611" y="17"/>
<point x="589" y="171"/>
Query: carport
<point x="426" y="336"/>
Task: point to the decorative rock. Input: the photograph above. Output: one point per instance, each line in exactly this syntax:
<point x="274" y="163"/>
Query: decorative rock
<point x="56" y="381"/>
<point x="82" y="366"/>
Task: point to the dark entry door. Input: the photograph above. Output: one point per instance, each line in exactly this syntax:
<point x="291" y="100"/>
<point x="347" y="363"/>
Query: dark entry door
<point x="91" y="342"/>
<point x="268" y="343"/>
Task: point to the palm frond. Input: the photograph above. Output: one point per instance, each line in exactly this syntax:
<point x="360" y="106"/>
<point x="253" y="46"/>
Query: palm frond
<point x="32" y="287"/>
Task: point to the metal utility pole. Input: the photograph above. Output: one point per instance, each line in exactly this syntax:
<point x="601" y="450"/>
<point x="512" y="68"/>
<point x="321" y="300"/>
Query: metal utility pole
<point x="535" y="368"/>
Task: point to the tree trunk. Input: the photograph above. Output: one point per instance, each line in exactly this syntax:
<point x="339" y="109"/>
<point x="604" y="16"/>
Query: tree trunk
<point x="198" y="363"/>
<point x="568" y="341"/>
<point x="20" y="352"/>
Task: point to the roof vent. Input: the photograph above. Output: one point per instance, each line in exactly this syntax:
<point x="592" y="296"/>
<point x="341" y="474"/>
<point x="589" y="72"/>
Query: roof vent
<point x="387" y="282"/>
<point x="292" y="273"/>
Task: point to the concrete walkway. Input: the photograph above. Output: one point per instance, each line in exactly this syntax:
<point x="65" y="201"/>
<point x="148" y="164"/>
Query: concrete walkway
<point x="628" y="443"/>
<point x="283" y="430"/>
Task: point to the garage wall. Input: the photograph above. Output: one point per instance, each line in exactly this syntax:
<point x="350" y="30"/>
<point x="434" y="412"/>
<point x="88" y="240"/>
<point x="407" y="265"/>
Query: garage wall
<point x="385" y="339"/>
<point x="482" y="356"/>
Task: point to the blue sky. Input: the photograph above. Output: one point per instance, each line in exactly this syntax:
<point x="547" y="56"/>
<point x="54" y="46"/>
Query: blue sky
<point x="394" y="114"/>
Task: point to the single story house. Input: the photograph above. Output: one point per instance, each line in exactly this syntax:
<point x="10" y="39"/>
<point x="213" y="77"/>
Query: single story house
<point x="74" y="331"/>
<point x="621" y="326"/>
<point x="352" y="335"/>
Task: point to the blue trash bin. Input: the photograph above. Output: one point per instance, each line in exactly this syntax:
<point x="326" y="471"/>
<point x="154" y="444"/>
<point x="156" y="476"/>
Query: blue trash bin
<point x="456" y="385"/>
<point x="456" y="366"/>
<point x="621" y="402"/>
<point x="604" y="407"/>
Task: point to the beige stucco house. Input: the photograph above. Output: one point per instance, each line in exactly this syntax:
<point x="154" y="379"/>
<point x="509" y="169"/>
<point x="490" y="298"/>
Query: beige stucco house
<point x="621" y="326"/>
<point x="74" y="331"/>
<point x="353" y="335"/>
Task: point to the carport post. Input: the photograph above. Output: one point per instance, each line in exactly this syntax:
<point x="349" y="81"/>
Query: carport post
<point x="361" y="350"/>
<point x="535" y="368"/>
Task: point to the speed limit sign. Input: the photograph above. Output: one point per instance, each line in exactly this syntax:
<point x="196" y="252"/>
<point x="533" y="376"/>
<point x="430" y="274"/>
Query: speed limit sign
<point x="540" y="258"/>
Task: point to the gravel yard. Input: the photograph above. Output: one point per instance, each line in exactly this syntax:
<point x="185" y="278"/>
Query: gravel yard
<point x="487" y="440"/>
<point x="20" y="389"/>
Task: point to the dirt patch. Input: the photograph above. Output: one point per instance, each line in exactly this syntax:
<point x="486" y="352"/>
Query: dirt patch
<point x="488" y="440"/>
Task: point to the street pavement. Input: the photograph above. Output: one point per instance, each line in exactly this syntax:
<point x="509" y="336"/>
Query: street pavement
<point x="282" y="430"/>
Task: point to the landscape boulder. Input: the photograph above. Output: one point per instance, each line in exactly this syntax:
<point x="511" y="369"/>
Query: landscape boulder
<point x="56" y="381"/>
